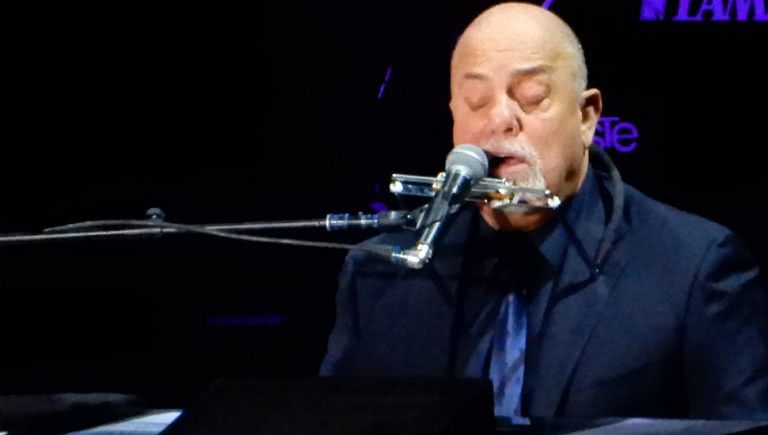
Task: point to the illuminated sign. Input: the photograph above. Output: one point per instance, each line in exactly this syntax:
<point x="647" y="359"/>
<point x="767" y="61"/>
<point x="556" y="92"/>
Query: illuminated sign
<point x="614" y="133"/>
<point x="547" y="4"/>
<point x="704" y="10"/>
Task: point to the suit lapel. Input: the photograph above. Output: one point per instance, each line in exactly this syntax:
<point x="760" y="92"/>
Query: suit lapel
<point x="461" y="284"/>
<point x="572" y="315"/>
<point x="447" y="272"/>
<point x="573" y="302"/>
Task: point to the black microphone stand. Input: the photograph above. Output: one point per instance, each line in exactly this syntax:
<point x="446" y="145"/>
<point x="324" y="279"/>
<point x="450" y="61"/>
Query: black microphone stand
<point x="155" y="225"/>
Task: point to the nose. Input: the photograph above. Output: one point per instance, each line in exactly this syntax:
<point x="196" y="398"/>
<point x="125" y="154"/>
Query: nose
<point x="504" y="118"/>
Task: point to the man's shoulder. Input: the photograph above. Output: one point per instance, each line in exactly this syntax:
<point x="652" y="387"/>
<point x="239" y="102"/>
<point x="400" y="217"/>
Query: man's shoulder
<point x="656" y="220"/>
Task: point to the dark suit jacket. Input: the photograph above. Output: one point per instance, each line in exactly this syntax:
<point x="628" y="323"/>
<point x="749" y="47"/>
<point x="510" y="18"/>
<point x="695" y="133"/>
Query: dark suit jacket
<point x="650" y="312"/>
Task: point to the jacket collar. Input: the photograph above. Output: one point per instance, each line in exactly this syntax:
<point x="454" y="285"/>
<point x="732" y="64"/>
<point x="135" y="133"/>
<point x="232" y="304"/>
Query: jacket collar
<point x="572" y="303"/>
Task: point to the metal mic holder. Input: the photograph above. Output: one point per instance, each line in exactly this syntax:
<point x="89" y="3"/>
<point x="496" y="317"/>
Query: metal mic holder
<point x="500" y="194"/>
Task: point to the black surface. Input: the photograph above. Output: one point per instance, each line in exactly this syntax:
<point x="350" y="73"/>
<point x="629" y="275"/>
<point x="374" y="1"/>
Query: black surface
<point x="340" y="406"/>
<point x="60" y="413"/>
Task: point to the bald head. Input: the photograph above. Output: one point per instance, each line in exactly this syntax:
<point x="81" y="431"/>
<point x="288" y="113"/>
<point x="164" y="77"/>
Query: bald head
<point x="510" y="26"/>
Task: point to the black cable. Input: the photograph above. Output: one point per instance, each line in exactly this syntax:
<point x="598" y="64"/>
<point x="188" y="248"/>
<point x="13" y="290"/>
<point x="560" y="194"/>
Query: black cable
<point x="57" y="231"/>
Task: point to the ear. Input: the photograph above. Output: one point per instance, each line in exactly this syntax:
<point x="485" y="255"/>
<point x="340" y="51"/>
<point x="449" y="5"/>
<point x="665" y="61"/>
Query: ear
<point x="591" y="103"/>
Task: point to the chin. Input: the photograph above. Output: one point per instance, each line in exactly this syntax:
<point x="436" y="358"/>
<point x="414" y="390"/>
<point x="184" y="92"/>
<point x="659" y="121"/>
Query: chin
<point x="502" y="221"/>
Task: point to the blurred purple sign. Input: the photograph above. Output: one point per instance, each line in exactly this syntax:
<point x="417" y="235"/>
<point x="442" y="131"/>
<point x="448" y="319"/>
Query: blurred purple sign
<point x="704" y="10"/>
<point x="612" y="132"/>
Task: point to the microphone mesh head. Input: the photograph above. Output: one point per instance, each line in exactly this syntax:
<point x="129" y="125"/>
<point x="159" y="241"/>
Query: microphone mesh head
<point x="469" y="159"/>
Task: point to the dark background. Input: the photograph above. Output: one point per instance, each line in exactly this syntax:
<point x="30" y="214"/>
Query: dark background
<point x="232" y="112"/>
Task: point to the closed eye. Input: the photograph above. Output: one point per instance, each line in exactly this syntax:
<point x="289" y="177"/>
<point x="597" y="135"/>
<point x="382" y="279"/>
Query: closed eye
<point x="531" y="94"/>
<point x="476" y="104"/>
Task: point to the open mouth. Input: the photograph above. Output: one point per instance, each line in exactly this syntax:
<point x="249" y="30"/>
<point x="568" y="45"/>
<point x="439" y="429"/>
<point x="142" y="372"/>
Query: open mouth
<point x="505" y="165"/>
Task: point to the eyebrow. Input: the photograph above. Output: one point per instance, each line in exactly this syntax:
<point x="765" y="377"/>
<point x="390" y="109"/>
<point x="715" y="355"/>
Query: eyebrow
<point x="531" y="71"/>
<point x="475" y="76"/>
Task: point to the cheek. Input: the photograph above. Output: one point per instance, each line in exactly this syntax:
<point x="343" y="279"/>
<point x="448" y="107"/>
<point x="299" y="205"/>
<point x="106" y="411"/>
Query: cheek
<point x="465" y="131"/>
<point x="555" y="133"/>
<point x="551" y="164"/>
<point x="542" y="135"/>
<point x="558" y="146"/>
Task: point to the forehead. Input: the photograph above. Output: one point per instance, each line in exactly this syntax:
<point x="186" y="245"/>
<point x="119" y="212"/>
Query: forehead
<point x="504" y="63"/>
<point x="505" y="71"/>
<point x="502" y="52"/>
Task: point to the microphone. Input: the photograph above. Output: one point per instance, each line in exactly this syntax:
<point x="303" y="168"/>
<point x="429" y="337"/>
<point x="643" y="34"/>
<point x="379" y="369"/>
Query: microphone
<point x="465" y="165"/>
<point x="382" y="221"/>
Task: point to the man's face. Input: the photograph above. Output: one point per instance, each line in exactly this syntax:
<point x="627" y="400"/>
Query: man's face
<point x="519" y="103"/>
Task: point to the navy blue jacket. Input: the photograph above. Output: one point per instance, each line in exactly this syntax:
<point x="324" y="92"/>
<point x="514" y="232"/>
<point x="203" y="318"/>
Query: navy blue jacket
<point x="650" y="311"/>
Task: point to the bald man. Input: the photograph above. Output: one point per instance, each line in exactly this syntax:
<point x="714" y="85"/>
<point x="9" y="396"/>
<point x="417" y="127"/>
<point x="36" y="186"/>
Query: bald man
<point x="614" y="305"/>
<point x="518" y="90"/>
